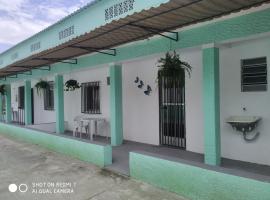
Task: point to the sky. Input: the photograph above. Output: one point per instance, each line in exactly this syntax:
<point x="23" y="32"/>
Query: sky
<point x="20" y="19"/>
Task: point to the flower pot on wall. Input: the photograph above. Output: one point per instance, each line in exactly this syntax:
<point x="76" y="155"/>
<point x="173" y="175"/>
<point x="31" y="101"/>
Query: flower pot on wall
<point x="41" y="85"/>
<point x="72" y="85"/>
<point x="173" y="69"/>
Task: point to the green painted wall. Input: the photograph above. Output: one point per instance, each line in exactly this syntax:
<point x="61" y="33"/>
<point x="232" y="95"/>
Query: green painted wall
<point x="1" y="107"/>
<point x="8" y="103"/>
<point x="196" y="183"/>
<point x="97" y="154"/>
<point x="116" y="107"/>
<point x="28" y="102"/>
<point x="211" y="106"/>
<point x="238" y="27"/>
<point x="59" y="103"/>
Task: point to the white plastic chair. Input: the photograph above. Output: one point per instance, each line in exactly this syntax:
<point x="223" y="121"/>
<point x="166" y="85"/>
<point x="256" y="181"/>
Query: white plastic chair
<point x="78" y="126"/>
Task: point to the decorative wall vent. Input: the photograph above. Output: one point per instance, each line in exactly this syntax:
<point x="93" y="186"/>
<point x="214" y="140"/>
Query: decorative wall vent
<point x="119" y="9"/>
<point x="66" y="32"/>
<point x="35" y="46"/>
<point x="14" y="56"/>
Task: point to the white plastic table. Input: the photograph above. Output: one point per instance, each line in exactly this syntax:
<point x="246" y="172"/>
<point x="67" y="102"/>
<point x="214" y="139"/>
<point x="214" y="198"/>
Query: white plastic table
<point x="92" y="124"/>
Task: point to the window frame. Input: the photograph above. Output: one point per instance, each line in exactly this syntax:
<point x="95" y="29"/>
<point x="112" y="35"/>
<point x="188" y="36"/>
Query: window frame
<point x="88" y="108"/>
<point x="47" y="105"/>
<point x="250" y="86"/>
<point x="21" y="96"/>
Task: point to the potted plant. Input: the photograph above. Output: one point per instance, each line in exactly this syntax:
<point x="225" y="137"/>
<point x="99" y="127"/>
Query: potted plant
<point x="72" y="85"/>
<point x="173" y="68"/>
<point x="3" y="89"/>
<point x="42" y="85"/>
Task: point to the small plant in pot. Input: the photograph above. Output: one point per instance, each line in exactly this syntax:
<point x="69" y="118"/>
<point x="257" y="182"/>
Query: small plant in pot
<point x="72" y="85"/>
<point x="173" y="69"/>
<point x="42" y="85"/>
<point x="2" y="89"/>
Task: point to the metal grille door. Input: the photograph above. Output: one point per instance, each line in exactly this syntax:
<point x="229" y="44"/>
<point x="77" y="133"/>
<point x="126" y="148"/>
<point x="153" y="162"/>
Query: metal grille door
<point x="172" y="112"/>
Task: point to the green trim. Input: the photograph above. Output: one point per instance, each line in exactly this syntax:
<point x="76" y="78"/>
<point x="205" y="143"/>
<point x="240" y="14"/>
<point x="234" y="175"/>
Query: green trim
<point x="116" y="114"/>
<point x="195" y="183"/>
<point x="1" y="107"/>
<point x="97" y="154"/>
<point x="8" y="104"/>
<point x="238" y="27"/>
<point x="211" y="106"/>
<point x="59" y="103"/>
<point x="28" y="102"/>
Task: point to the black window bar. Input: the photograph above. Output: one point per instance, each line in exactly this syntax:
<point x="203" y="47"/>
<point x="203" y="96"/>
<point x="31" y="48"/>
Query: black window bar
<point x="21" y="97"/>
<point x="90" y="98"/>
<point x="49" y="97"/>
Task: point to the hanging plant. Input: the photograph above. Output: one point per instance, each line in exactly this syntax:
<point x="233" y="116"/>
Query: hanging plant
<point x="42" y="85"/>
<point x="72" y="85"/>
<point x="3" y="89"/>
<point x="173" y="69"/>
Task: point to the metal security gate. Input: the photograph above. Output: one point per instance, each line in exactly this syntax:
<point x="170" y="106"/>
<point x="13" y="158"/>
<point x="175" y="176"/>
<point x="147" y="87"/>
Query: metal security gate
<point x="172" y="112"/>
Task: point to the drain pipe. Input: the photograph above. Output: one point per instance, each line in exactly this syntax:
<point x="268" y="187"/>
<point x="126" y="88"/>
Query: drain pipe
<point x="255" y="137"/>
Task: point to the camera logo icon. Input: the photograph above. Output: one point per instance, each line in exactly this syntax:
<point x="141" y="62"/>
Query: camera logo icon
<point x="22" y="188"/>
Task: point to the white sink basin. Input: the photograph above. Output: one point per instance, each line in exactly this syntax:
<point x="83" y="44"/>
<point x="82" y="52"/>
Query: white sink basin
<point x="243" y="119"/>
<point x="245" y="124"/>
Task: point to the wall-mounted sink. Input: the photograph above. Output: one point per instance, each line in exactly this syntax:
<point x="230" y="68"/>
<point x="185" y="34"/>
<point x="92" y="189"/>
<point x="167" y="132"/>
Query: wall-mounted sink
<point x="244" y="124"/>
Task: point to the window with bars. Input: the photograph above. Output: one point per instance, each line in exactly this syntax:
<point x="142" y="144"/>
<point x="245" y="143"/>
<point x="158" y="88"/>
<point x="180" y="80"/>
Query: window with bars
<point x="49" y="97"/>
<point x="254" y="74"/>
<point x="90" y="98"/>
<point x="21" y="97"/>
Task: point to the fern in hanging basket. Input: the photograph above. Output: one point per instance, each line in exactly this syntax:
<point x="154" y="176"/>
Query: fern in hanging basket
<point x="42" y="85"/>
<point x="2" y="89"/>
<point x="173" y="69"/>
<point x="72" y="85"/>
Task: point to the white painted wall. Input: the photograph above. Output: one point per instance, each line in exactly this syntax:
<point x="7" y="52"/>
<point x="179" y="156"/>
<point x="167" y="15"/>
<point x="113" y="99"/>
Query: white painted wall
<point x="140" y="112"/>
<point x="194" y="102"/>
<point x="14" y="95"/>
<point x="40" y="115"/>
<point x="233" y="101"/>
